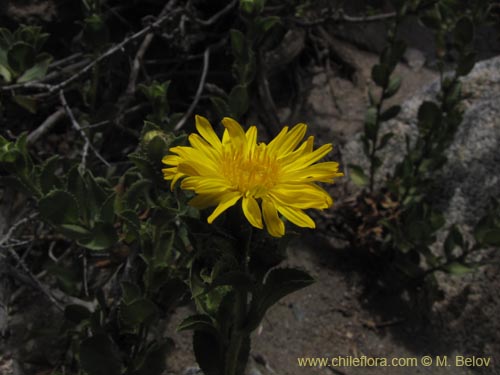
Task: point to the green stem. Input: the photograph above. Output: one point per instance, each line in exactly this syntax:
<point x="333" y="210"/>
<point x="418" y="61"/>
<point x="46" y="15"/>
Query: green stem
<point x="238" y="335"/>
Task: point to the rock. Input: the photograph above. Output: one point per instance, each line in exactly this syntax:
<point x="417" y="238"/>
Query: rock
<point x="414" y="58"/>
<point x="192" y="371"/>
<point x="470" y="177"/>
<point x="30" y="11"/>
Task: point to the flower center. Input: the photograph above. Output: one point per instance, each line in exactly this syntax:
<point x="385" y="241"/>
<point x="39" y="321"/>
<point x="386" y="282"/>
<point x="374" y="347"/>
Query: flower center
<point x="254" y="174"/>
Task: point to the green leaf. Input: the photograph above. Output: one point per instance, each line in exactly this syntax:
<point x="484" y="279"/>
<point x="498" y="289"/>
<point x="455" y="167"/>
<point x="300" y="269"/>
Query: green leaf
<point x="239" y="101"/>
<point x="358" y="176"/>
<point x="164" y="247"/>
<point x="136" y="191"/>
<point x="374" y="100"/>
<point x="278" y="284"/>
<point x="103" y="236"/>
<point x="436" y="220"/>
<point x="155" y="359"/>
<point x="59" y="207"/>
<point x="199" y="322"/>
<point x="236" y="279"/>
<point x="390" y="113"/>
<point x="392" y="54"/>
<point x="464" y="31"/>
<point x="21" y="56"/>
<point x="265" y="24"/>
<point x="371" y="123"/>
<point x="418" y="231"/>
<point x="107" y="211"/>
<point x="429" y="115"/>
<point x="6" y="38"/>
<point x="432" y="18"/>
<point x="157" y="148"/>
<point x="393" y="87"/>
<point x="99" y="356"/>
<point x="380" y="75"/>
<point x="26" y="102"/>
<point x="466" y="64"/>
<point x="138" y="312"/>
<point x="170" y="293"/>
<point x="221" y="106"/>
<point x="385" y="139"/>
<point x="377" y="162"/>
<point x="5" y="72"/>
<point x="246" y="72"/>
<point x="74" y="231"/>
<point x="36" y="72"/>
<point x="456" y="268"/>
<point x="48" y="179"/>
<point x="243" y="355"/>
<point x="130" y="292"/>
<point x="453" y="239"/>
<point x="208" y="353"/>
<point x="238" y="44"/>
<point x="131" y="220"/>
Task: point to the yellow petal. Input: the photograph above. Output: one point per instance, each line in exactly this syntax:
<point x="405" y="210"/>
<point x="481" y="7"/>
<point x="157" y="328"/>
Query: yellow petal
<point x="171" y="160"/>
<point x="204" y="185"/>
<point x="323" y="172"/>
<point x="277" y="141"/>
<point x="225" y="138"/>
<point x="203" y="201"/>
<point x="227" y="201"/>
<point x="236" y="132"/>
<point x="305" y="148"/>
<point x="175" y="179"/>
<point x="296" y="216"/>
<point x="252" y="212"/>
<point x="303" y="196"/>
<point x="207" y="132"/>
<point x="192" y="168"/>
<point x="274" y="225"/>
<point x="251" y="136"/>
<point x="200" y="144"/>
<point x="292" y="139"/>
<point x="309" y="158"/>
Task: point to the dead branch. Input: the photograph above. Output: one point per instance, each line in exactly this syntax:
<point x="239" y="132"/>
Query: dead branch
<point x="199" y="91"/>
<point x="218" y="15"/>
<point x="45" y="126"/>
<point x="137" y="63"/>
<point x="50" y="88"/>
<point x="340" y="16"/>
<point x="76" y="125"/>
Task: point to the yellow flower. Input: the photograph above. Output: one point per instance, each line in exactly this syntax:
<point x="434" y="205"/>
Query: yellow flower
<point x="279" y="175"/>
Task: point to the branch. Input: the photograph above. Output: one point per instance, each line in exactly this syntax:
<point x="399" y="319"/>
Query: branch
<point x="339" y="16"/>
<point x="76" y="125"/>
<point x="13" y="228"/>
<point x="136" y="64"/>
<point x="217" y="15"/>
<point x="45" y="126"/>
<point x="49" y="88"/>
<point x="206" y="61"/>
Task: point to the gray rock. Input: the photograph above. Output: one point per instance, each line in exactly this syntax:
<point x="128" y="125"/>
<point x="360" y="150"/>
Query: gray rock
<point x="470" y="177"/>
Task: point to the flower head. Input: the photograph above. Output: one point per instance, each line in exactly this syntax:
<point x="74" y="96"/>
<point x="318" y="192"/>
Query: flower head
<point x="270" y="179"/>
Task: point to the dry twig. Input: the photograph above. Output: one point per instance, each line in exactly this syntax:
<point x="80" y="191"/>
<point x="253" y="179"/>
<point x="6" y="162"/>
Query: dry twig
<point x="50" y="88"/>
<point x="189" y="112"/>
<point x="45" y="126"/>
<point x="76" y="125"/>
